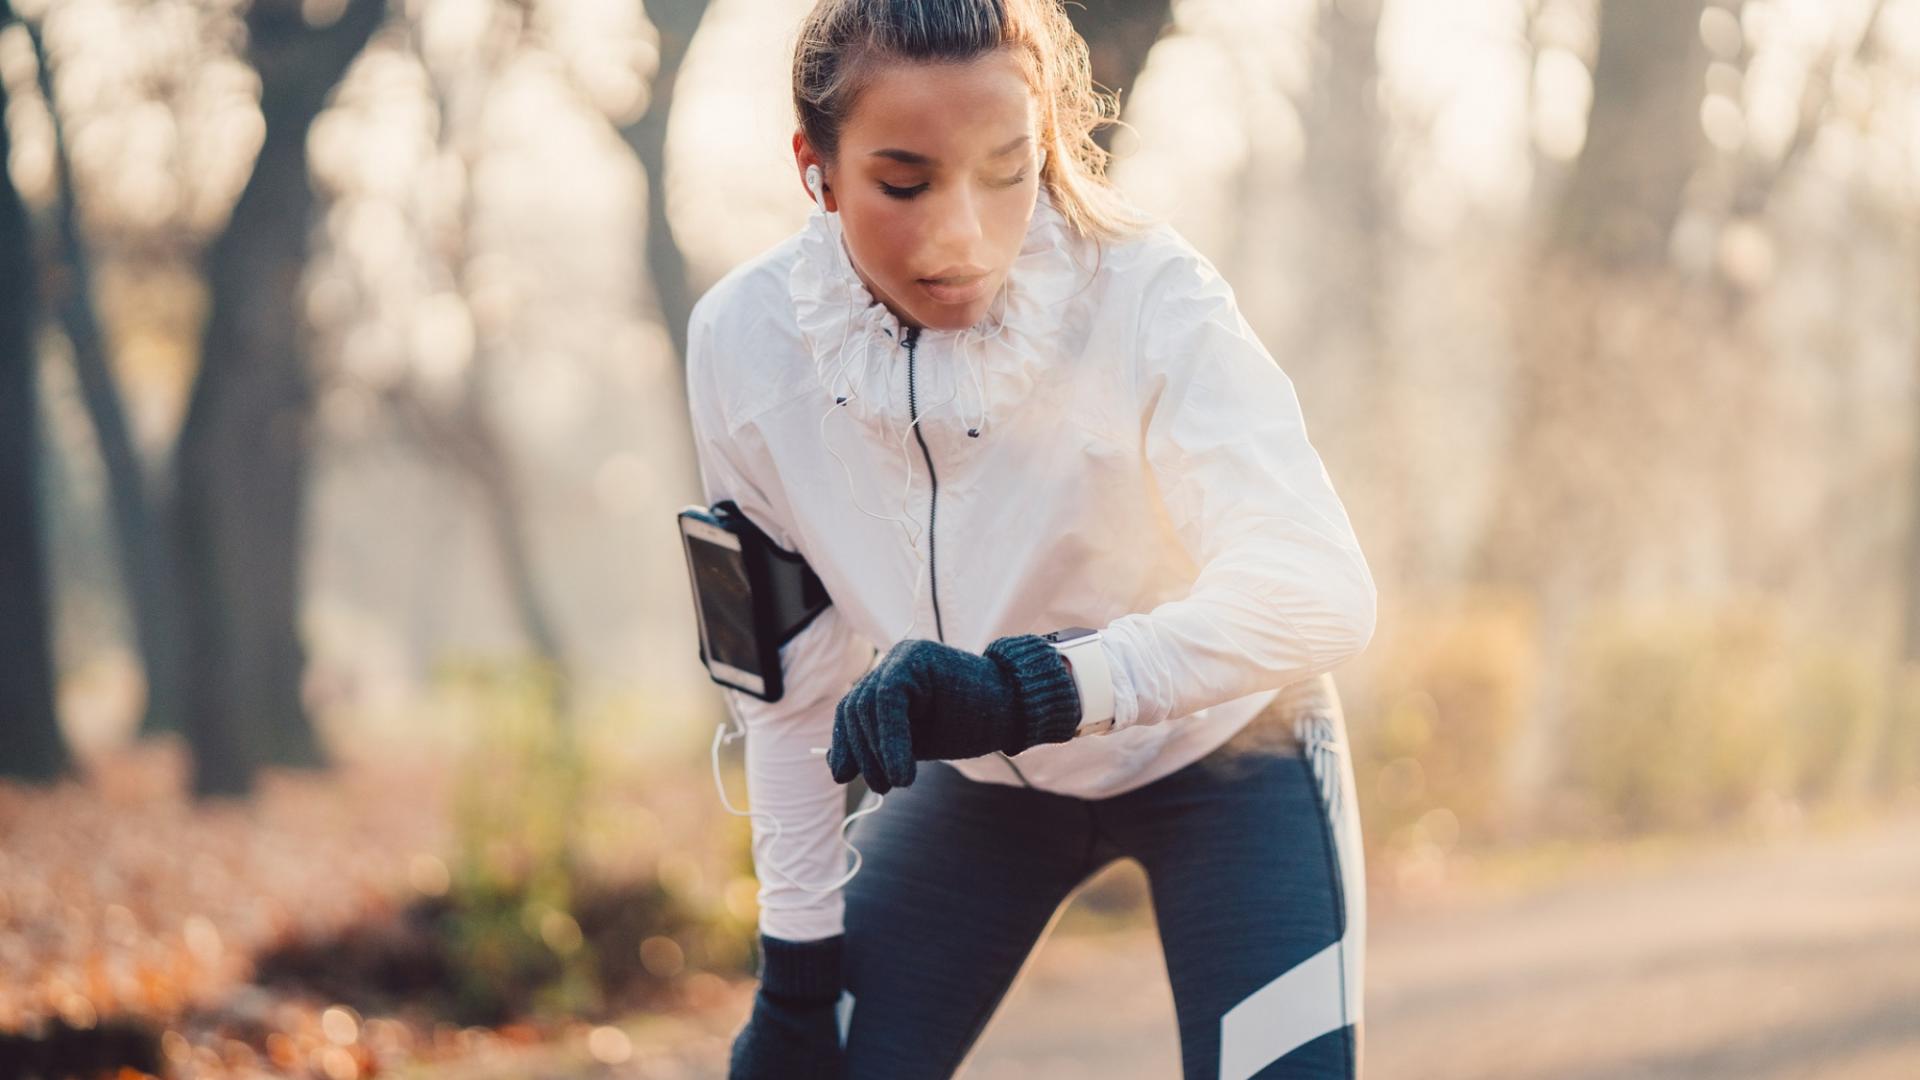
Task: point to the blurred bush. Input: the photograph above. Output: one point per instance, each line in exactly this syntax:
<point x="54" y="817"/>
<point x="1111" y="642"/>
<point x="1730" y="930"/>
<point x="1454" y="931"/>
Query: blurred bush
<point x="532" y="922"/>
<point x="1897" y="766"/>
<point x="1451" y="680"/>
<point x="1684" y="718"/>
<point x="1835" y="705"/>
<point x="1674" y="717"/>
<point x="557" y="901"/>
<point x="512" y="877"/>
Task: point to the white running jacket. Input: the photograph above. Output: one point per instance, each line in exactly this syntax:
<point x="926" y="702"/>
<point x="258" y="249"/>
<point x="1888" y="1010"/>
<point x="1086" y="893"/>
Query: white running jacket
<point x="1111" y="446"/>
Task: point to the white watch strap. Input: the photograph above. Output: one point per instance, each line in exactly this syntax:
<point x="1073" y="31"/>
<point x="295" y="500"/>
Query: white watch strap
<point x="1093" y="678"/>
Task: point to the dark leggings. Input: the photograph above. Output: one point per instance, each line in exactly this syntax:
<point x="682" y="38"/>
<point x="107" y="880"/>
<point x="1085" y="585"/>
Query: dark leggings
<point x="1253" y="857"/>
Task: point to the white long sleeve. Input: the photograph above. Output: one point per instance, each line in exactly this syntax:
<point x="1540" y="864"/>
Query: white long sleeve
<point x="1283" y="592"/>
<point x="791" y="783"/>
<point x="818" y="665"/>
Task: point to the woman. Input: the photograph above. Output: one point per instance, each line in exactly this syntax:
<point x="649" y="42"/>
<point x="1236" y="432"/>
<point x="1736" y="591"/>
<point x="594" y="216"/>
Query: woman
<point x="986" y="400"/>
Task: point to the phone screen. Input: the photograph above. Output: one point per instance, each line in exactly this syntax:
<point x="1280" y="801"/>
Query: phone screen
<point x="726" y="603"/>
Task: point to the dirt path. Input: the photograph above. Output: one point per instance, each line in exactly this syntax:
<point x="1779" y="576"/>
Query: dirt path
<point x="1799" y="960"/>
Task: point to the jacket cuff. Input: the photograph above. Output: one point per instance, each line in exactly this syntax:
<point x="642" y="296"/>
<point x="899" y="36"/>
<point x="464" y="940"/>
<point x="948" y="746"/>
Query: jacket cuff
<point x="801" y="970"/>
<point x="1049" y="701"/>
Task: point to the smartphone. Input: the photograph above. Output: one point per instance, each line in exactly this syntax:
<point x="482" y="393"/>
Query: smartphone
<point x="725" y="604"/>
<point x="751" y="596"/>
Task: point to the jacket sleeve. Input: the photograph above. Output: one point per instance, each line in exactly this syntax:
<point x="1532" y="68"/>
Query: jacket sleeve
<point x="1283" y="592"/>
<point x="818" y="665"/>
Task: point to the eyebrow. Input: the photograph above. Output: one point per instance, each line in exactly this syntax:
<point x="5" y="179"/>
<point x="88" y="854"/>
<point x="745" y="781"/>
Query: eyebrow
<point x="908" y="157"/>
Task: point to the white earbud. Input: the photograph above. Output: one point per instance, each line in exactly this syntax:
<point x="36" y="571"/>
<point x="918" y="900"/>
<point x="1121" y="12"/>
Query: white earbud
<point x="814" y="184"/>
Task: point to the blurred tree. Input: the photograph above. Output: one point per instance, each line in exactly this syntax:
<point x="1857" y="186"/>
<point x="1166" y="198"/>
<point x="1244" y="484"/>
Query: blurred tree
<point x="676" y="22"/>
<point x="148" y="572"/>
<point x="458" y="427"/>
<point x="30" y="743"/>
<point x="1757" y="176"/>
<point x="242" y="457"/>
<point x="1897" y="754"/>
<point x="1119" y="35"/>
<point x="1606" y="244"/>
<point x="1643" y="134"/>
<point x="1351" y="239"/>
<point x="1606" y="325"/>
<point x="1909" y="650"/>
<point x="1352" y="221"/>
<point x="1618" y="341"/>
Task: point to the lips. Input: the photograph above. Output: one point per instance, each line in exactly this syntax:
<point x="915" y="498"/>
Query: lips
<point x="956" y="290"/>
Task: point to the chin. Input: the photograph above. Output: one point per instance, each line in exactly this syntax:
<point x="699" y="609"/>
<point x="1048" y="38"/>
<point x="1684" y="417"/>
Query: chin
<point x="952" y="318"/>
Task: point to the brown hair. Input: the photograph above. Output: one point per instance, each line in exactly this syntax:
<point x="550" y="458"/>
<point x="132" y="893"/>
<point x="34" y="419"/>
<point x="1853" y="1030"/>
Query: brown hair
<point x="841" y="42"/>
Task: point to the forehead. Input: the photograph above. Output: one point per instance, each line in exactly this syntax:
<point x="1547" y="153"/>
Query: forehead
<point x="945" y="110"/>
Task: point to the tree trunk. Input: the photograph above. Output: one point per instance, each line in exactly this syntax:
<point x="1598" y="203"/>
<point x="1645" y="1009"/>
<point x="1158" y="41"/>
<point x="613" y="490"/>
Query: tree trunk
<point x="1599" y="283"/>
<point x="146" y="566"/>
<point x="242" y="460"/>
<point x="1608" y="244"/>
<point x="1643" y="134"/>
<point x="1119" y="35"/>
<point x="462" y="431"/>
<point x="675" y="21"/>
<point x="1896" y="756"/>
<point x="30" y="744"/>
<point x="1910" y="611"/>
<point x="468" y="442"/>
<point x="1348" y="243"/>
<point x="1350" y="203"/>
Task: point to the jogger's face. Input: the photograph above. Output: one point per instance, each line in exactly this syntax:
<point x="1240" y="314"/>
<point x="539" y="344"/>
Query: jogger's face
<point x="935" y="184"/>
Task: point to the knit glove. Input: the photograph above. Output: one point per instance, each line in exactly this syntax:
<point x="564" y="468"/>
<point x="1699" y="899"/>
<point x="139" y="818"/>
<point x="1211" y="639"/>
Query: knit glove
<point x="792" y="1033"/>
<point x="930" y="701"/>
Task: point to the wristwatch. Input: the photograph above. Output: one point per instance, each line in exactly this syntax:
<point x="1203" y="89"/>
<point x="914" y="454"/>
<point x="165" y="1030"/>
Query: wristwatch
<point x="1086" y="660"/>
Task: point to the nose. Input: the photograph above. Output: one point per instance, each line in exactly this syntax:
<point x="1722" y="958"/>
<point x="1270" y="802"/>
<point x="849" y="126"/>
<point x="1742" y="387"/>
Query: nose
<point x="958" y="231"/>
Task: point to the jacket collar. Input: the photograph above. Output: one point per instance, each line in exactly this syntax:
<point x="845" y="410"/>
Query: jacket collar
<point x="855" y="341"/>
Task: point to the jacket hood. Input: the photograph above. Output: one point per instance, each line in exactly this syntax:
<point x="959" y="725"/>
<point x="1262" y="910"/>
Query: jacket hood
<point x="854" y="339"/>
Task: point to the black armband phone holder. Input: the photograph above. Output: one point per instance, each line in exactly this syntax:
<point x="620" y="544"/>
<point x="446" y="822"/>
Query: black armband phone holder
<point x="750" y="597"/>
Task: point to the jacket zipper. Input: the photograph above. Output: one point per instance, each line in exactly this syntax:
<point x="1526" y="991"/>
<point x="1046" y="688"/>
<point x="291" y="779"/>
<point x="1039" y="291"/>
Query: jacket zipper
<point x="933" y="505"/>
<point x="933" y="480"/>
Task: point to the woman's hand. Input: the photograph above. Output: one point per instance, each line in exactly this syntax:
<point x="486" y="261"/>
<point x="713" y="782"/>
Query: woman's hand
<point x="928" y="701"/>
<point x="792" y="1033"/>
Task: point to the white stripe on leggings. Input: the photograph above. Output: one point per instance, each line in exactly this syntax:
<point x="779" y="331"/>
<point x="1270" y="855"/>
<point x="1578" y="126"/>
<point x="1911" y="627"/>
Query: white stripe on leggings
<point x="1287" y="1013"/>
<point x="1322" y="993"/>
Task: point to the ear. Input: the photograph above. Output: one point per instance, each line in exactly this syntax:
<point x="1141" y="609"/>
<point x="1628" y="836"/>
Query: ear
<point x="803" y="156"/>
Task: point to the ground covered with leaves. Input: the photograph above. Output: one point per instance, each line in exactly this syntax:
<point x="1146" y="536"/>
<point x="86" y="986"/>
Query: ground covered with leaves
<point x="354" y="923"/>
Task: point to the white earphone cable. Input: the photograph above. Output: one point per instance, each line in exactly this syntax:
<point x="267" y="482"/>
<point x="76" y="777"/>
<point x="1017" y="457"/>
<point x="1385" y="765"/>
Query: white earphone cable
<point x="910" y="528"/>
<point x="721" y="734"/>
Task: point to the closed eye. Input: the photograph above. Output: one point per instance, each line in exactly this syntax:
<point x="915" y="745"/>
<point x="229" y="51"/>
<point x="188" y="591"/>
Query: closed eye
<point x="909" y="192"/>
